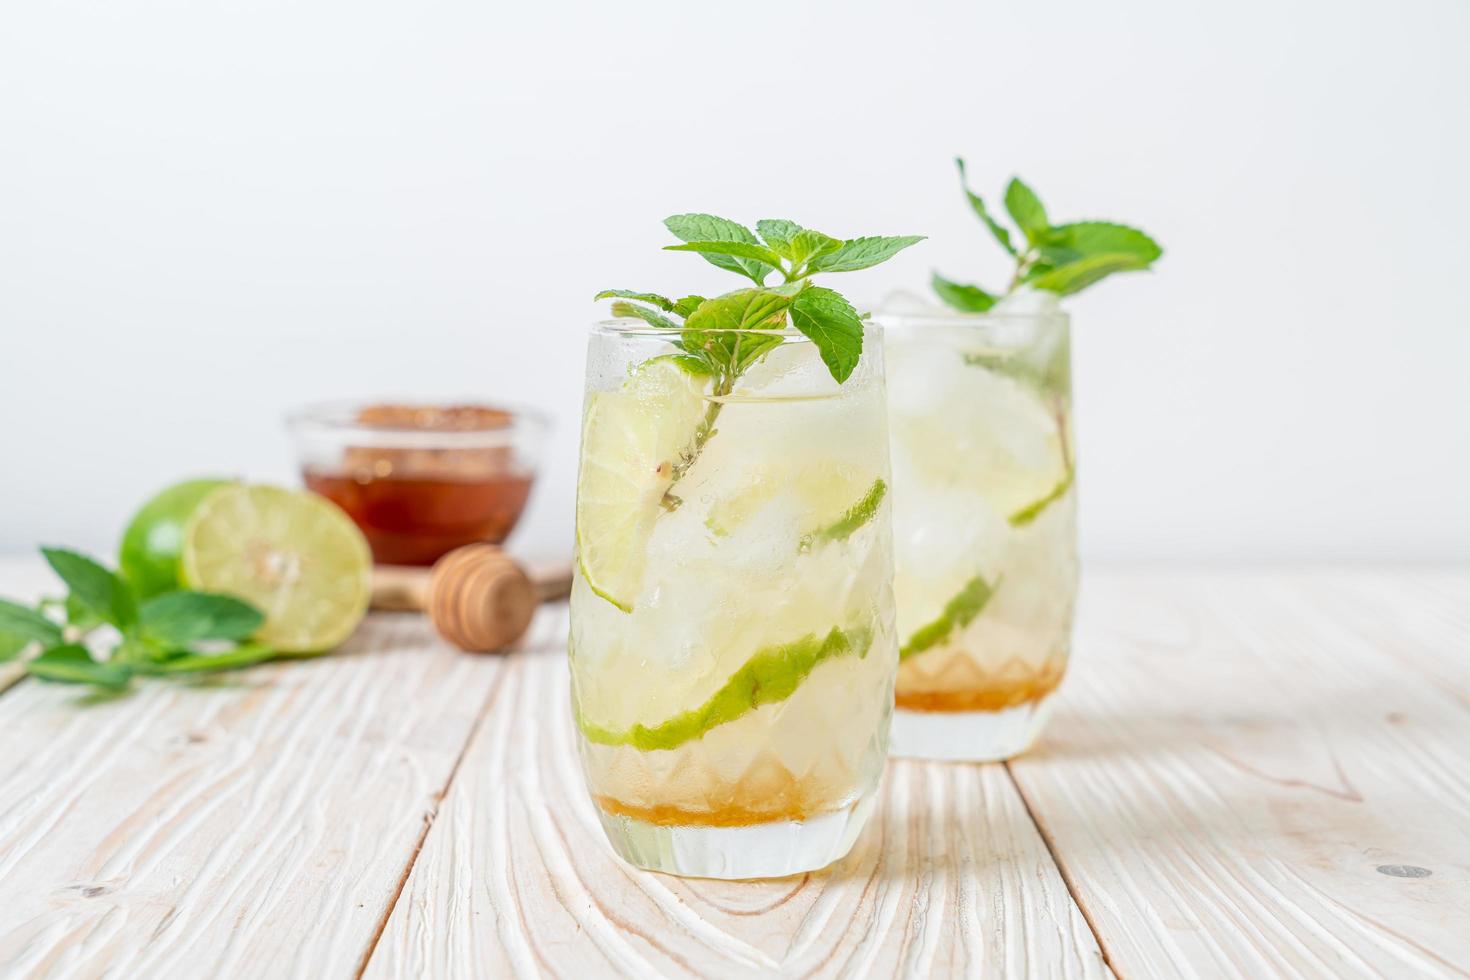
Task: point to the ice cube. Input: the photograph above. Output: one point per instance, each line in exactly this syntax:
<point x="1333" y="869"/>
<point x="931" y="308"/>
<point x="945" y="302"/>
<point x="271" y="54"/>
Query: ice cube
<point x="908" y="303"/>
<point x="923" y="376"/>
<point x="794" y="368"/>
<point x="1038" y="302"/>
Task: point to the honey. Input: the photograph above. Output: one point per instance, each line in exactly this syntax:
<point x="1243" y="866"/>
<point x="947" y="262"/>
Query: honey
<point x="411" y="520"/>
<point x="993" y="693"/>
<point x="421" y="480"/>
<point x="746" y="804"/>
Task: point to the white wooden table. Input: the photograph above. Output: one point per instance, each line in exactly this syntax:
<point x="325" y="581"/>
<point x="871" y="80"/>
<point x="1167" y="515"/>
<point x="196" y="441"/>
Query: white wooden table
<point x="1249" y="774"/>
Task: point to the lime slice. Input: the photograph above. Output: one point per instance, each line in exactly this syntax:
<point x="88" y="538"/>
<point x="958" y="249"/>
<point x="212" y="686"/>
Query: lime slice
<point x="295" y="556"/>
<point x="631" y="440"/>
<point x="854" y="518"/>
<point x="770" y="676"/>
<point x="961" y="608"/>
<point x="987" y="431"/>
<point x="824" y="489"/>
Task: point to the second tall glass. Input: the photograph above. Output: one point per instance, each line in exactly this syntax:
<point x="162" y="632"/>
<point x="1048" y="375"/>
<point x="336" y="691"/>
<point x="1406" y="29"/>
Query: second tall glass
<point x="732" y="642"/>
<point x="985" y="527"/>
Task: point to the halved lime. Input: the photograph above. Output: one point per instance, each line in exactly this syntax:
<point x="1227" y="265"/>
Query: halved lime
<point x="295" y="556"/>
<point x="632" y="439"/>
<point x="149" y="554"/>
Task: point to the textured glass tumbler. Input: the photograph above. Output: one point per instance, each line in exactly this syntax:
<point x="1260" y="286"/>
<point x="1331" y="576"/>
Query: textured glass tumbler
<point x="732" y="622"/>
<point x="984" y="525"/>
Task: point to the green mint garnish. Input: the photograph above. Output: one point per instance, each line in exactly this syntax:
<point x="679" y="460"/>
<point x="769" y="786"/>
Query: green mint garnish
<point x="181" y="618"/>
<point x="96" y="590"/>
<point x="24" y="623"/>
<point x="782" y="248"/>
<point x="721" y="336"/>
<point x="957" y="614"/>
<point x="1062" y="259"/>
<point x="70" y="663"/>
<point x="176" y="632"/>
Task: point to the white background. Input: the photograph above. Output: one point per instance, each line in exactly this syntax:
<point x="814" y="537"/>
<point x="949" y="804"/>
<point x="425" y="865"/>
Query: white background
<point x="212" y="211"/>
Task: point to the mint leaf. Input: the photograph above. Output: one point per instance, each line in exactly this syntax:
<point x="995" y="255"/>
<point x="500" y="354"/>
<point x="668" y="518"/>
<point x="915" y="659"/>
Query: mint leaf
<point x="1063" y="259"/>
<point x="969" y="299"/>
<point x="778" y="233"/>
<point x="861" y="253"/>
<point x="662" y="302"/>
<point x="1068" y="279"/>
<point x="1063" y="244"/>
<point x="71" y="664"/>
<point x="184" y="618"/>
<point x="744" y="309"/>
<point x="788" y="289"/>
<point x="743" y="250"/>
<point x="752" y="348"/>
<point x="1025" y="209"/>
<point x="1001" y="232"/>
<point x="11" y="646"/>
<point x="810" y="244"/>
<point x="137" y="651"/>
<point x="651" y="317"/>
<point x="833" y="325"/>
<point x="793" y="242"/>
<point x="709" y="228"/>
<point x="242" y="656"/>
<point x="697" y="364"/>
<point x="26" y="623"/>
<point x="95" y="588"/>
<point x="687" y="305"/>
<point x="697" y="227"/>
<point x="79" y="614"/>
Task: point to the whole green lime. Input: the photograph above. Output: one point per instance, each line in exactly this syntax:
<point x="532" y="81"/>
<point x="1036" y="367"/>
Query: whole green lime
<point x="149" y="556"/>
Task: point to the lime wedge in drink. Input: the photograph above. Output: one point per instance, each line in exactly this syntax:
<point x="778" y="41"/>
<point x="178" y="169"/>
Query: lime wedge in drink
<point x="824" y="489"/>
<point x="989" y="432"/>
<point x="295" y="556"/>
<point x="633" y="439"/>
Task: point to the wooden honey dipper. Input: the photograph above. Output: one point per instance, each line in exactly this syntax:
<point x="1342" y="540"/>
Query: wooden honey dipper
<point x="477" y="596"/>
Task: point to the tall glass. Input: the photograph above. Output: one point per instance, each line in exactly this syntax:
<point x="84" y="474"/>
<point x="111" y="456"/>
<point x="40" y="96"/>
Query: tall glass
<point x="732" y="622"/>
<point x="985" y="522"/>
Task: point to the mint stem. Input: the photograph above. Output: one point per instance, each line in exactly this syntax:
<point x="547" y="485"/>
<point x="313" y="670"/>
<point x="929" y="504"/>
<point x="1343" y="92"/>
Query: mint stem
<point x="702" y="433"/>
<point x="1024" y="262"/>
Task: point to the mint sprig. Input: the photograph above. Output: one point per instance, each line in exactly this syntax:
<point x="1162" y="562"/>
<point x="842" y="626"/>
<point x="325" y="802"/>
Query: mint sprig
<point x="1062" y="259"/>
<point x="173" y="633"/>
<point x="721" y="337"/>
<point x="716" y="329"/>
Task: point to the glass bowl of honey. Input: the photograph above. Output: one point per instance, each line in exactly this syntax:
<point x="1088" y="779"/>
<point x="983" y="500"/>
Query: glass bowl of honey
<point x="421" y="480"/>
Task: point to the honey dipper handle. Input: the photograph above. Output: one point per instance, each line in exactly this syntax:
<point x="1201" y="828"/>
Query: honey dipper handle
<point x="553" y="580"/>
<point x="480" y="598"/>
<point x="401" y="588"/>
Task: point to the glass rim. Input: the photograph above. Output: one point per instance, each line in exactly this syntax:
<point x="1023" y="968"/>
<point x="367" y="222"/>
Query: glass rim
<point x="630" y="326"/>
<point x="337" y="419"/>
<point x="963" y="318"/>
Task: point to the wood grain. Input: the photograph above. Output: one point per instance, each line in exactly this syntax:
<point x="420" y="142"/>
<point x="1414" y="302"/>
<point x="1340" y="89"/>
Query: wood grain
<point x="259" y="825"/>
<point x="1249" y="774"/>
<point x="1245" y="767"/>
<point x="515" y="878"/>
